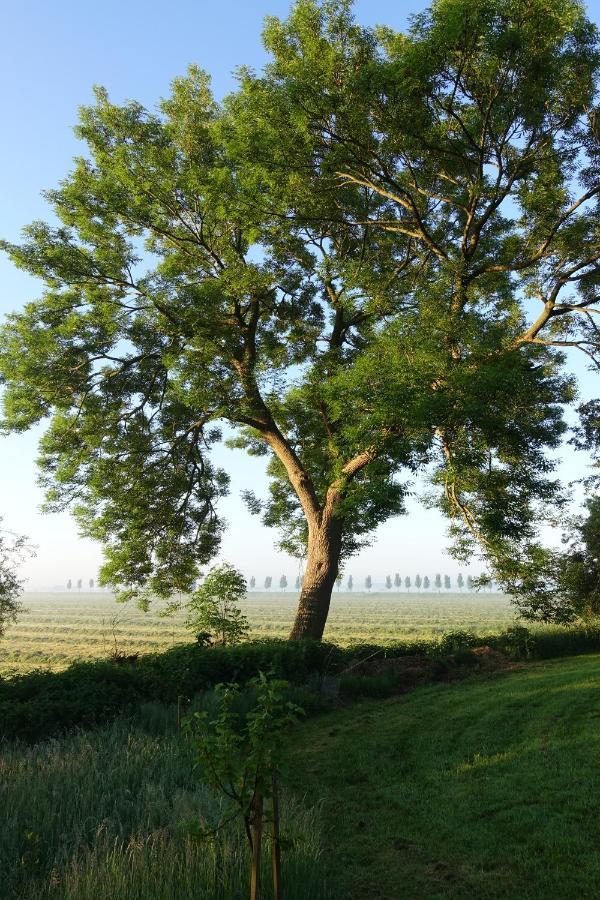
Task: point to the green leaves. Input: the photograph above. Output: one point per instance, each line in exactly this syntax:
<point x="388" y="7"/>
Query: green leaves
<point x="13" y="549"/>
<point x="340" y="262"/>
<point x="238" y="749"/>
<point x="213" y="607"/>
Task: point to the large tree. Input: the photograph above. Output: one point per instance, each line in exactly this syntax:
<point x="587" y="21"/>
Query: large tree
<point x="340" y="263"/>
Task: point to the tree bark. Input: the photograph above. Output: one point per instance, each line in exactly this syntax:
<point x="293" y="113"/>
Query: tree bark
<point x="322" y="563"/>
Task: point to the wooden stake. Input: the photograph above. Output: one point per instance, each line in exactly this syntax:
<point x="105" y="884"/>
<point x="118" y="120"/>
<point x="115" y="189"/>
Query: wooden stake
<point x="276" y="849"/>
<point x="257" y="817"/>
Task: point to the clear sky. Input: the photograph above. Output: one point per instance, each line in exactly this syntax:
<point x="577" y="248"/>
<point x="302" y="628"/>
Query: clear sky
<point x="50" y="56"/>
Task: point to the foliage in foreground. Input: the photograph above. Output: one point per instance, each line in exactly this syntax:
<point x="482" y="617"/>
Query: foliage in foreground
<point x="101" y="815"/>
<point x="484" y="789"/>
<point x="239" y="757"/>
<point x="42" y="703"/>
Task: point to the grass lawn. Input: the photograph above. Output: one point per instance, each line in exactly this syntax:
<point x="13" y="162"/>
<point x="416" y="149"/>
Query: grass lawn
<point x="483" y="788"/>
<point x="487" y="788"/>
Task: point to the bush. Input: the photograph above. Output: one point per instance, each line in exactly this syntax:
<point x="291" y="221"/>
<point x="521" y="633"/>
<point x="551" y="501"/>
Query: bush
<point x="214" y="606"/>
<point x="377" y="686"/>
<point x="42" y="704"/>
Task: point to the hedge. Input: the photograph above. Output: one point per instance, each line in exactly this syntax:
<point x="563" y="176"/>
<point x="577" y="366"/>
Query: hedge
<point x="41" y="704"/>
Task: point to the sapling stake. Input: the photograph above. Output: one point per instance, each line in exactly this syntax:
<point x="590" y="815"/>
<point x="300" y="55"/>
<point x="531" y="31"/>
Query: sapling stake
<point x="276" y="846"/>
<point x="256" y="831"/>
<point x="238" y="756"/>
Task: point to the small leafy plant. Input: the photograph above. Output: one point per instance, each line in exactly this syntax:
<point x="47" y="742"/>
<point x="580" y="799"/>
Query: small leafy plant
<point x="213" y="608"/>
<point x="13" y="549"/>
<point x="238" y="754"/>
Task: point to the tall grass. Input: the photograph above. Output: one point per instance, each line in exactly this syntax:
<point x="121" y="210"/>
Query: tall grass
<point x="102" y="814"/>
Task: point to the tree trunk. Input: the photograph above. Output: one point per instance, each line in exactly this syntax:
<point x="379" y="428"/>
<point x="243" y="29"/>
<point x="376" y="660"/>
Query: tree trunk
<point x="322" y="562"/>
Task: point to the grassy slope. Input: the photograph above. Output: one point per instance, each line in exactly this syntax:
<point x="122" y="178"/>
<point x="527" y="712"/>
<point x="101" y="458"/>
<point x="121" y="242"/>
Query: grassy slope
<point x="487" y="788"/>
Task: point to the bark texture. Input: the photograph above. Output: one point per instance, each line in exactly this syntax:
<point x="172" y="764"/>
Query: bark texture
<point x="322" y="563"/>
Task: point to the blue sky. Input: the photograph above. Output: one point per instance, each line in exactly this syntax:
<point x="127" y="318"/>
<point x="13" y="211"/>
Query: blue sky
<point x="50" y="56"/>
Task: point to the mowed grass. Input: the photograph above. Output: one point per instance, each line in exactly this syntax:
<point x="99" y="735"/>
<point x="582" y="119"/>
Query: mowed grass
<point x="58" y="628"/>
<point x="484" y="789"/>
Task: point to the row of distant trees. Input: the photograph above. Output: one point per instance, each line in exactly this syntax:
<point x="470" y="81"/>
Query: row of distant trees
<point x="420" y="583"/>
<point x="424" y="583"/>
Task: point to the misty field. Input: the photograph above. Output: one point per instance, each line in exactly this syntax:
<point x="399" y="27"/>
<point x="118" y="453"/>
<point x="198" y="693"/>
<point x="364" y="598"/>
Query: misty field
<point x="57" y="628"/>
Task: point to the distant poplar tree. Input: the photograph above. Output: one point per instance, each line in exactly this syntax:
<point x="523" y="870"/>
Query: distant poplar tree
<point x="79" y="584"/>
<point x="438" y="582"/>
<point x="407" y="582"/>
<point x="297" y="583"/>
<point x="447" y="582"/>
<point x="91" y="584"/>
<point x="252" y="583"/>
<point x="268" y="583"/>
<point x="350" y="582"/>
<point x="426" y="583"/>
<point x="69" y="584"/>
<point x="388" y="582"/>
<point x="470" y="582"/>
<point x="397" y="581"/>
<point x="283" y="582"/>
<point x="460" y="582"/>
<point x="338" y="581"/>
<point x="368" y="582"/>
<point x="418" y="582"/>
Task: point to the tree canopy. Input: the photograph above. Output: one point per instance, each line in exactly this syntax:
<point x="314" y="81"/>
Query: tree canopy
<point x="367" y="261"/>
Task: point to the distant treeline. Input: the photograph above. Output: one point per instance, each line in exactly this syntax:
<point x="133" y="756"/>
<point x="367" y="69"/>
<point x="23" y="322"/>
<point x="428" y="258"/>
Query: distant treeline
<point x="435" y="583"/>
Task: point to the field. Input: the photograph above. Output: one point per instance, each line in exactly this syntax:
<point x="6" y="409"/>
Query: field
<point x="481" y="788"/>
<point x="58" y="628"/>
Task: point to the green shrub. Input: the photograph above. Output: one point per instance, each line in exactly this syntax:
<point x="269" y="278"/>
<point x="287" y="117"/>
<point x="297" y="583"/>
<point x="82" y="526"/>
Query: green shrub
<point x="213" y="607"/>
<point x="383" y="685"/>
<point x="42" y="704"/>
<point x="456" y="642"/>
